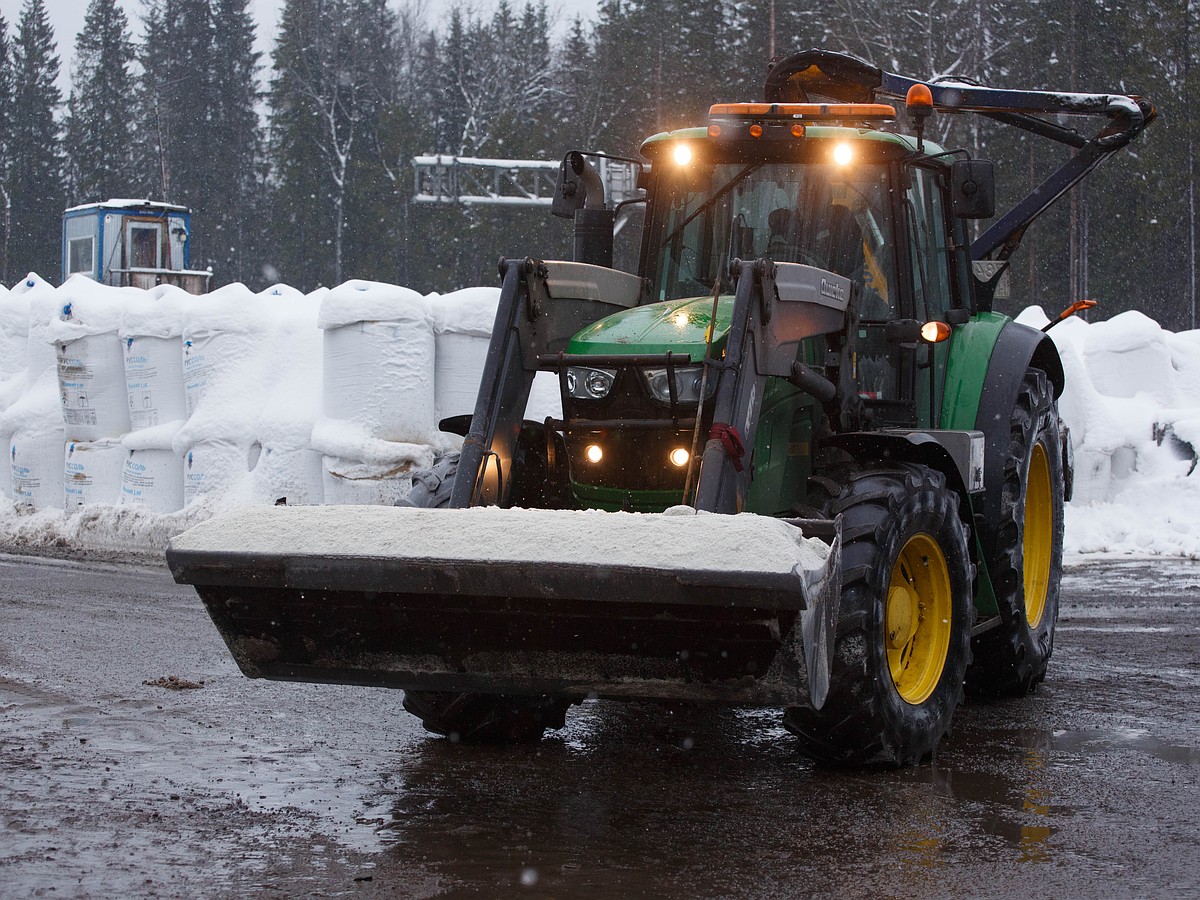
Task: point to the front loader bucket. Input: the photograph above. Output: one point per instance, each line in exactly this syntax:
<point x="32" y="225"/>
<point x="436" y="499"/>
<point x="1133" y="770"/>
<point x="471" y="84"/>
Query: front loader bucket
<point x="737" y="608"/>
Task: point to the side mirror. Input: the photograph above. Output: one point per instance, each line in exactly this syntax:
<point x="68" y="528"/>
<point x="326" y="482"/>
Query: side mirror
<point x="579" y="195"/>
<point x="570" y="192"/>
<point x="973" y="189"/>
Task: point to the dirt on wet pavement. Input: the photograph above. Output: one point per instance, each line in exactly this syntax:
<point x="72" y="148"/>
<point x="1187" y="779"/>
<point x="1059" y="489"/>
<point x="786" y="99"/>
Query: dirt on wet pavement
<point x="138" y="761"/>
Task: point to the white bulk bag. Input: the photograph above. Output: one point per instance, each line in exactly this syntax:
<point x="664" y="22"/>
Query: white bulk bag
<point x="462" y="327"/>
<point x="36" y="468"/>
<point x="91" y="384"/>
<point x="379" y="361"/>
<point x="90" y="364"/>
<point x="153" y="479"/>
<point x="153" y="472"/>
<point x="92" y="473"/>
<point x="153" y="380"/>
<point x="151" y="334"/>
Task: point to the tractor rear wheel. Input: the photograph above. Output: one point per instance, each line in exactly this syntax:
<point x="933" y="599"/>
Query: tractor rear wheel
<point x="904" y="623"/>
<point x="1010" y="660"/>
<point x="472" y="717"/>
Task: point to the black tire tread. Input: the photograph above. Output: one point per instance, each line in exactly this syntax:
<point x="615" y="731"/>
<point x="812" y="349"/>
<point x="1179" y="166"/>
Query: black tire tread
<point x="486" y="718"/>
<point x="859" y="725"/>
<point x="474" y="717"/>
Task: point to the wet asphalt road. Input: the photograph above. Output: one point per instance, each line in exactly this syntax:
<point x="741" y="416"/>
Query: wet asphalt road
<point x="112" y="786"/>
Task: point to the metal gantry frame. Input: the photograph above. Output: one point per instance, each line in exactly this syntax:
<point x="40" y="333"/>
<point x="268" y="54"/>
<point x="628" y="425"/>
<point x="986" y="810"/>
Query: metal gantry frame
<point x="475" y="181"/>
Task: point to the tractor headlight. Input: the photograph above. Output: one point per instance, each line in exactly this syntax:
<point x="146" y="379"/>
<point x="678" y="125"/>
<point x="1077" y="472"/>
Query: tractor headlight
<point x="589" y="384"/>
<point x="687" y="384"/>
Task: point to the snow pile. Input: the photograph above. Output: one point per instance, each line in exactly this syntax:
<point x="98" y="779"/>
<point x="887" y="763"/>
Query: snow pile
<point x="1132" y="403"/>
<point x="677" y="540"/>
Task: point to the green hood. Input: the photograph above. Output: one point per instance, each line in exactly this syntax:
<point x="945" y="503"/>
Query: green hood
<point x="676" y="325"/>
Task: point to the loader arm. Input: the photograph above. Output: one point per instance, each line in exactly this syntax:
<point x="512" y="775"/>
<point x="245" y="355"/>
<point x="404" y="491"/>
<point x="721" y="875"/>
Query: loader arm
<point x="849" y="79"/>
<point x="542" y="304"/>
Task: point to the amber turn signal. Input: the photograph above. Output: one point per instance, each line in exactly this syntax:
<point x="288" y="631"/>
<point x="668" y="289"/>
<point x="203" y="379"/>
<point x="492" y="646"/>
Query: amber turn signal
<point x="935" y="332"/>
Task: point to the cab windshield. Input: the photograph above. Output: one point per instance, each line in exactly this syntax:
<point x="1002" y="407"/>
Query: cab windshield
<point x="818" y="214"/>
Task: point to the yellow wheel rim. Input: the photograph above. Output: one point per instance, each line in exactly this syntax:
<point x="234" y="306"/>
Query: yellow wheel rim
<point x="1039" y="528"/>
<point x="916" y="618"/>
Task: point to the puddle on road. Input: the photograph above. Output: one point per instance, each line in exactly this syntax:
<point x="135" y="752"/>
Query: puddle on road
<point x="621" y="790"/>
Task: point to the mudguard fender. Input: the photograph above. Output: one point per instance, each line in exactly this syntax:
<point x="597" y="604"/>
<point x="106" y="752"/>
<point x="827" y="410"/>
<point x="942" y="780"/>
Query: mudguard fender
<point x="1017" y="349"/>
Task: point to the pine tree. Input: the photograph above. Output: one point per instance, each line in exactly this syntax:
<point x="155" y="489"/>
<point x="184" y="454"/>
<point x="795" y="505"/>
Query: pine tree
<point x="100" y="110"/>
<point x="36" y="167"/>
<point x="177" y="110"/>
<point x="333" y="77"/>
<point x="235" y="194"/>
<point x="6" y="124"/>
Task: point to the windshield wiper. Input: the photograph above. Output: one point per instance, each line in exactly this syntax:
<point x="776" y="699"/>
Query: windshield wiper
<point x="708" y="204"/>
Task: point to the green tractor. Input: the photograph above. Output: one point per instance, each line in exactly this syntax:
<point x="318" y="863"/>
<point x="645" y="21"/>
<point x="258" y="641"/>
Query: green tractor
<point x="801" y="461"/>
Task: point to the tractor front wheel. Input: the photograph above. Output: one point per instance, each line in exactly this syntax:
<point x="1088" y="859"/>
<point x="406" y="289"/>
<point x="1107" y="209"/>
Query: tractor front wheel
<point x="484" y="718"/>
<point x="471" y="717"/>
<point x="904" y="623"/>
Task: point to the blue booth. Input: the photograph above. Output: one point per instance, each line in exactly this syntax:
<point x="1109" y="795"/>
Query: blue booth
<point x="137" y="243"/>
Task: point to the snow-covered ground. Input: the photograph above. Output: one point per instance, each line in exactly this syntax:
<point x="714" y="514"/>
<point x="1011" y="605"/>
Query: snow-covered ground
<point x="167" y="408"/>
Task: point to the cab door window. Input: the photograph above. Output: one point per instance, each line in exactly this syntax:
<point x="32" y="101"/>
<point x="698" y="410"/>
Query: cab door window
<point x="930" y="256"/>
<point x="929" y="244"/>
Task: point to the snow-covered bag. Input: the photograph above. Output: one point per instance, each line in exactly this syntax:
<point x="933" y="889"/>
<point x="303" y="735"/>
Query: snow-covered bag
<point x="1128" y="355"/>
<point x="379" y="361"/>
<point x="287" y="468"/>
<point x="92" y="473"/>
<point x="222" y="338"/>
<point x="151" y="337"/>
<point x="36" y="411"/>
<point x="462" y="327"/>
<point x="152" y="476"/>
<point x="36" y="468"/>
<point x="90" y="362"/>
<point x="91" y="384"/>
<point x="287" y="475"/>
<point x="227" y="377"/>
<point x="217" y="467"/>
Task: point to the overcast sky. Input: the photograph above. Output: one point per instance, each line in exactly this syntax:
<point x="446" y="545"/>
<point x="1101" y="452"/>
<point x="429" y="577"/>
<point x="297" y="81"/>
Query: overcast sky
<point x="66" y="18"/>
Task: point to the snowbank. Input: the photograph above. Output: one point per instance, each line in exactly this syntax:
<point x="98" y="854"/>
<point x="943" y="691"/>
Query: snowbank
<point x="159" y="400"/>
<point x="237" y="399"/>
<point x="1132" y="404"/>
